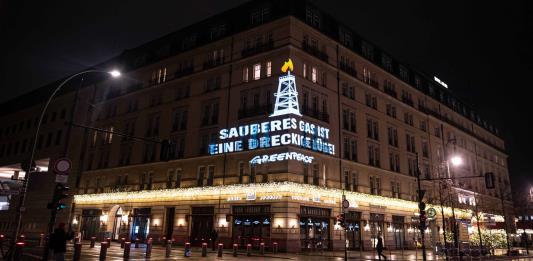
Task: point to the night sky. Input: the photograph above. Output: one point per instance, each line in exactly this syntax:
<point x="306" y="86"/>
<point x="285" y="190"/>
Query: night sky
<point x="483" y="52"/>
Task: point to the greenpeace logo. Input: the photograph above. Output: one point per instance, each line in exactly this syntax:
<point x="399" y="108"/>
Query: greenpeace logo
<point x="281" y="157"/>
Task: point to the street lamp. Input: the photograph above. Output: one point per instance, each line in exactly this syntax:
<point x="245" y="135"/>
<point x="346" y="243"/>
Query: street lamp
<point x="456" y="160"/>
<point x="114" y="74"/>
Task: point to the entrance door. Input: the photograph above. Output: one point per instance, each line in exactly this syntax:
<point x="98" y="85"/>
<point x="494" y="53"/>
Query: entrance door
<point x="202" y="224"/>
<point x="90" y="222"/>
<point x="353" y="230"/>
<point x="141" y="223"/>
<point x="90" y="226"/>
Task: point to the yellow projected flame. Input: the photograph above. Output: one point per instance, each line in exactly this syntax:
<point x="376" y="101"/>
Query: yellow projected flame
<point x="287" y="66"/>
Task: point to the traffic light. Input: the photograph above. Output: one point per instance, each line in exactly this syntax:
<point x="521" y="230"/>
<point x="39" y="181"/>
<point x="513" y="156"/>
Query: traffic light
<point x="489" y="180"/>
<point x="168" y="150"/>
<point x="60" y="193"/>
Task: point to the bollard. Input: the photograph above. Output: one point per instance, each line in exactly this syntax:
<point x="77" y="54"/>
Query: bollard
<point x="22" y="238"/>
<point x="168" y="248"/>
<point x="103" y="250"/>
<point x="122" y="241"/>
<point x="249" y="249"/>
<point x="220" y="247"/>
<point x="127" y="248"/>
<point x="262" y="248"/>
<point x="93" y="239"/>
<point x="235" y="248"/>
<point x="19" y="249"/>
<point x="137" y="243"/>
<point x="275" y="247"/>
<point x="148" y="253"/>
<point x="108" y="241"/>
<point x="41" y="240"/>
<point x="187" y="252"/>
<point x="76" y="240"/>
<point x="204" y="249"/>
<point x="77" y="252"/>
<point x="164" y="239"/>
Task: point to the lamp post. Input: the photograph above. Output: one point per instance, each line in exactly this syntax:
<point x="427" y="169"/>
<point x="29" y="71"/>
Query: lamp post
<point x="22" y="198"/>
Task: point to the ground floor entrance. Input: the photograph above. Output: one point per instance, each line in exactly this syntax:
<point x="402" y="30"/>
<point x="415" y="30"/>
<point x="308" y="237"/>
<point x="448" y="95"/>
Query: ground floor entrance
<point x="141" y="224"/>
<point x="315" y="228"/>
<point x="201" y="224"/>
<point x="90" y="223"/>
<point x="251" y="225"/>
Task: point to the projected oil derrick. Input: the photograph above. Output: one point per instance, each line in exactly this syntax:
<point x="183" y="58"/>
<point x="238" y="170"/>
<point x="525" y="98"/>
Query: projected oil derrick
<point x="287" y="96"/>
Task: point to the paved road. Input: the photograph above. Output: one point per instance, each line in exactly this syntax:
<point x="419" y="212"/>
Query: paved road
<point x="158" y="253"/>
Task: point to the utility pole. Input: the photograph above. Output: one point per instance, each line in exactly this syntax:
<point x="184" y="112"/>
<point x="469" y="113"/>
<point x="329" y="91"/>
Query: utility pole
<point x="443" y="222"/>
<point x="422" y="209"/>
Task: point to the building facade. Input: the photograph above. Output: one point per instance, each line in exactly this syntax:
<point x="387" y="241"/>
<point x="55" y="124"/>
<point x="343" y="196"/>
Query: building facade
<point x="264" y="150"/>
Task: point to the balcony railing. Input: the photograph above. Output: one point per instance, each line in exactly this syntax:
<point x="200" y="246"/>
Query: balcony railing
<point x="255" y="111"/>
<point x="391" y="92"/>
<point x="348" y="69"/>
<point x="257" y="49"/>
<point x="408" y="101"/>
<point x="319" y="115"/>
<point x="213" y="63"/>
<point x="184" y="72"/>
<point x="313" y="50"/>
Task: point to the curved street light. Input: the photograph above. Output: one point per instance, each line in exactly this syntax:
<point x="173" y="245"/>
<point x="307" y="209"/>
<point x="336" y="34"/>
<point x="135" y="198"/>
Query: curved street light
<point x="114" y="74"/>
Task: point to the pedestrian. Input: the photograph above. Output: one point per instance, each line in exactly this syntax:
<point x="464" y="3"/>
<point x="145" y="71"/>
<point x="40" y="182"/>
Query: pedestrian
<point x="58" y="242"/>
<point x="379" y="248"/>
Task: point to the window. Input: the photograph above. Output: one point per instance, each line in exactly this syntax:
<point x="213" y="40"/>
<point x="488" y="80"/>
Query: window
<point x="347" y="180"/>
<point x="394" y="161"/>
<point x="408" y="118"/>
<point x="200" y="176"/>
<point x="257" y="71"/>
<point x="425" y="149"/>
<point x="375" y="185"/>
<point x="423" y="125"/>
<point x="393" y="136"/>
<point x="350" y="149"/>
<point x="177" y="183"/>
<point x="305" y="70"/>
<point x="355" y="181"/>
<point x="268" y="69"/>
<point x="159" y="75"/>
<point x="348" y="120"/>
<point x="348" y="91"/>
<point x="49" y="139"/>
<point x="391" y="111"/>
<point x="210" y="175"/>
<point x="245" y="74"/>
<point x="371" y="101"/>
<point x="314" y="77"/>
<point x="373" y="155"/>
<point x="312" y="16"/>
<point x="152" y="129"/>
<point x="210" y="114"/>
<point x="410" y="140"/>
<point x="253" y="173"/>
<point x="179" y="121"/>
<point x="411" y="163"/>
<point x="395" y="189"/>
<point x="368" y="50"/>
<point x="386" y="62"/>
<point x="241" y="171"/>
<point x="404" y="73"/>
<point x="316" y="175"/>
<point x="372" y="129"/>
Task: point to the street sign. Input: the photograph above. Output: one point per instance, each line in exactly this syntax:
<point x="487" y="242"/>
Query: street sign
<point x="62" y="166"/>
<point x="60" y="178"/>
<point x="431" y="212"/>
<point x="345" y="204"/>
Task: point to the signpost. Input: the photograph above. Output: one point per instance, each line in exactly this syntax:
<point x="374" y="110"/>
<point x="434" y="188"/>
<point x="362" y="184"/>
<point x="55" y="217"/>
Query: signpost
<point x="62" y="167"/>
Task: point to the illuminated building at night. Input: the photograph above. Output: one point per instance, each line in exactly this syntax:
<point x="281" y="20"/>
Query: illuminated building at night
<point x="275" y="110"/>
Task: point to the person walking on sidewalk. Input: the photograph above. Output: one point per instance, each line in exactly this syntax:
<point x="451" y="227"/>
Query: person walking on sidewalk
<point x="58" y="242"/>
<point x="379" y="248"/>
